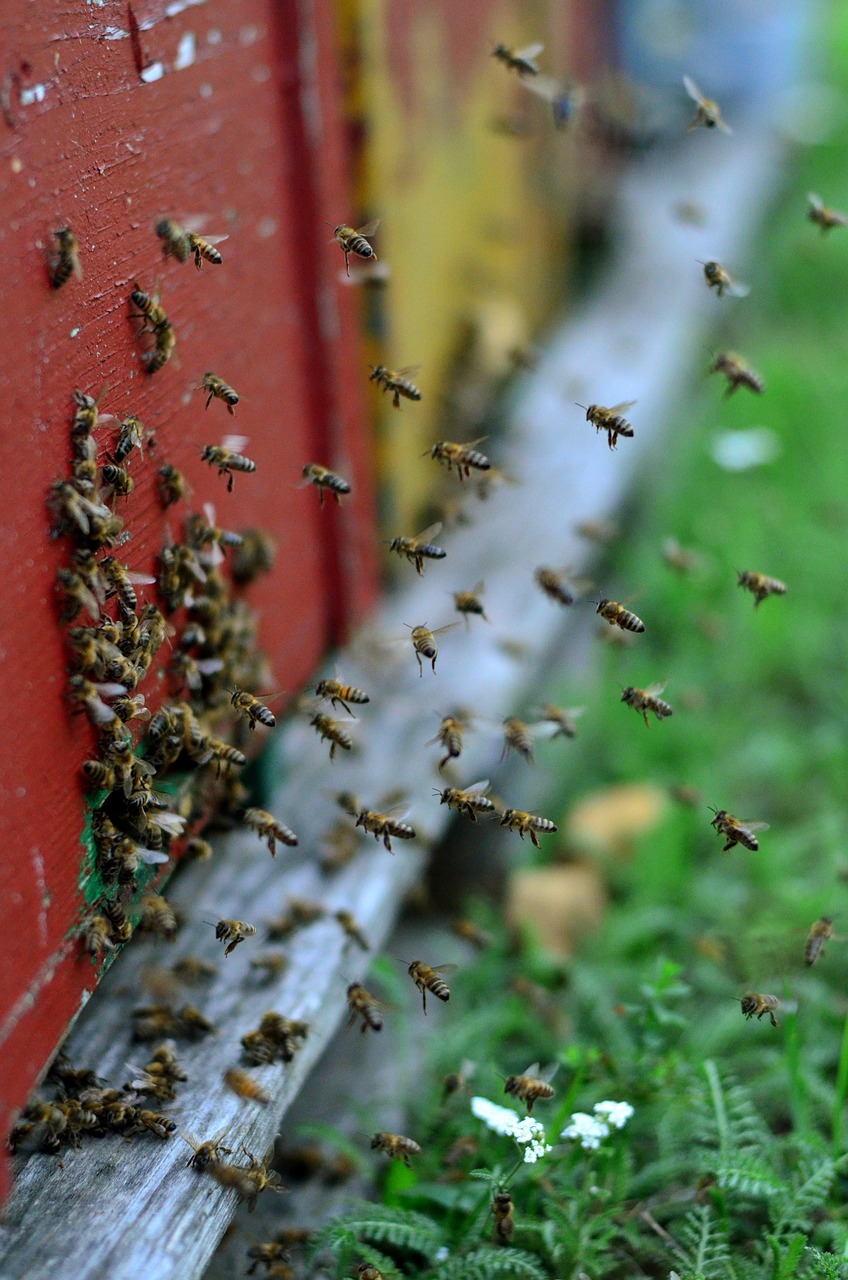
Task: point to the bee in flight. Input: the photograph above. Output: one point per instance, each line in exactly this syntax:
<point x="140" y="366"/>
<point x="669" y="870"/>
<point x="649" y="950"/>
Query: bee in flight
<point x="609" y="420"/>
<point x="737" y="372"/>
<point x="708" y="114"/>
<point x="825" y="217"/>
<point x="219" y="389"/>
<point x="760" y="586"/>
<point x="555" y="584"/>
<point x="820" y="933"/>
<point x="617" y="616"/>
<point x="356" y="242"/>
<point x="426" y="978"/>
<point x="67" y="260"/>
<point x="450" y="735"/>
<point x="396" y="1146"/>
<point x="269" y="829"/>
<point x="760" y="1004"/>
<point x="397" y="381"/>
<point x="419" y="549"/>
<point x="561" y="718"/>
<point x="325" y="480"/>
<point x="204" y="249"/>
<point x="521" y="61"/>
<point x="736" y="830"/>
<point x="329" y="730"/>
<point x="468" y="800"/>
<point x="462" y="456"/>
<point x="341" y="694"/>
<point x="469" y="602"/>
<point x="722" y="281"/>
<point x="227" y="458"/>
<point x="645" y="700"/>
<point x="527" y="824"/>
<point x="363" y="1005"/>
<point x="424" y="644"/>
<point x="386" y="826"/>
<point x="518" y="736"/>
<point x="249" y="706"/>
<point x="232" y="932"/>
<point x="531" y="1085"/>
<point x="566" y="98"/>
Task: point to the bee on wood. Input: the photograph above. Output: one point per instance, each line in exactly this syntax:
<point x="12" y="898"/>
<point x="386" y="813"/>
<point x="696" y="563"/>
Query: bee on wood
<point x="171" y="485"/>
<point x="527" y="824"/>
<point x="155" y="321"/>
<point x="325" y="480"/>
<point x="760" y="586"/>
<point x="89" y="697"/>
<point x="251" y="708"/>
<point x="555" y="584"/>
<point x="205" y="1153"/>
<point x="645" y="700"/>
<point x="123" y="583"/>
<point x="161" y="1021"/>
<point x="469" y="800"/>
<point x="419" y="549"/>
<point x="130" y="436"/>
<point x="363" y="1005"/>
<point x="220" y="390"/>
<point x="355" y="241"/>
<point x="352" y="929"/>
<point x="450" y="735"/>
<point x="397" y="381"/>
<point x="609" y="420"/>
<point x="66" y="263"/>
<point x="396" y="1147"/>
<point x="424" y="643"/>
<point x="462" y="456"/>
<point x="708" y="113"/>
<point x="760" y="1004"/>
<point x="385" y="826"/>
<point x="617" y="616"/>
<point x="426" y="978"/>
<point x="736" y="830"/>
<point x="826" y="218"/>
<point x="469" y="602"/>
<point x="274" y="1040"/>
<point x="820" y="933"/>
<point x="163" y="349"/>
<point x="531" y="1085"/>
<point x="737" y="372"/>
<point x="331" y="731"/>
<point x="518" y="736"/>
<point x="562" y="719"/>
<point x="722" y="281"/>
<point x="227" y="458"/>
<point x="204" y="249"/>
<point x="341" y="694"/>
<point x="97" y="935"/>
<point x="120" y="925"/>
<point x="268" y="828"/>
<point x="232" y="932"/>
<point x="521" y="61"/>
<point x="504" y="1221"/>
<point x="243" y="1085"/>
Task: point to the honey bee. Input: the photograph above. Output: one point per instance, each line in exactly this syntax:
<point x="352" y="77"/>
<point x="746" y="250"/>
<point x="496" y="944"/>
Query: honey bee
<point x="324" y="479"/>
<point x="555" y="584"/>
<point x="383" y="826"/>
<point x="331" y="731"/>
<point x="123" y="583"/>
<point x="89" y="697"/>
<point x="760" y="586"/>
<point x="424" y="644"/>
<point x="67" y="260"/>
<point x="175" y="242"/>
<point x="737" y="831"/>
<point x="227" y="459"/>
<point x="194" y="970"/>
<point x="462" y="456"/>
<point x="158" y="916"/>
<point x="645" y="700"/>
<point x="531" y="1085"/>
<point x="130" y="437"/>
<point x="163" y="349"/>
<point x="469" y="602"/>
<point x="208" y="1153"/>
<point x="271" y="1257"/>
<point x="472" y="933"/>
<point x="723" y="282"/>
<point x="737" y="372"/>
<point x="355" y="241"/>
<point x="341" y="694"/>
<point x="300" y="913"/>
<point x="155" y="321"/>
<point x="254" y="711"/>
<point x="457" y="1081"/>
<point x="518" y="737"/>
<point x="339" y="846"/>
<point x="120" y="925"/>
<point x="679" y="558"/>
<point x="96" y="935"/>
<point x="254" y="557"/>
<point x="204" y="249"/>
<point x="563" y="719"/>
<point x="248" y="1181"/>
<point x="352" y="929"/>
<point x="759" y="1005"/>
<point x="243" y="1085"/>
<point x="268" y="828"/>
<point x="609" y="420"/>
<point x="233" y="932"/>
<point x="527" y="824"/>
<point x="617" y="616"/>
<point x="504" y="1221"/>
<point x="396" y="1147"/>
<point x="367" y="1270"/>
<point x="599" y="531"/>
<point x="363" y="1005"/>
<point x="825" y="217"/>
<point x="565" y="97"/>
<point x="521" y="61"/>
<point x="426" y="978"/>
<point x="450" y="735"/>
<point x="270" y="964"/>
<point x="418" y="549"/>
<point x="397" y="381"/>
<point x="220" y="390"/>
<point x="708" y="113"/>
<point x="275" y="1039"/>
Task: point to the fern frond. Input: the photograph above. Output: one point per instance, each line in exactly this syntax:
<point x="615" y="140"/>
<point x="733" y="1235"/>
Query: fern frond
<point x="376" y="1224"/>
<point x="481" y="1264"/>
<point x="807" y="1193"/>
<point x="751" y="1176"/>
<point x="703" y="1242"/>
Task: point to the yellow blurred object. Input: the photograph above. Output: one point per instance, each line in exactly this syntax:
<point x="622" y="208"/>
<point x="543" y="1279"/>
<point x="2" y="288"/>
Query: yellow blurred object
<point x="559" y="904"/>
<point x="608" y="822"/>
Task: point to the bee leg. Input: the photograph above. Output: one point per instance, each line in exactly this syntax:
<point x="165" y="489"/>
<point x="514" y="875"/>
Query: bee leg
<point x="347" y="263"/>
<point x="230" y="482"/>
<point x="320" y="496"/>
<point x="534" y="838"/>
<point x="647" y="722"/>
<point x="774" y="1021"/>
<point x="231" y="411"/>
<point x="209" y="399"/>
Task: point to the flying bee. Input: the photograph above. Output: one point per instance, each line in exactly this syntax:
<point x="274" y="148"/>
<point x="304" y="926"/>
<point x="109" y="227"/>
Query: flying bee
<point x="820" y="933"/>
<point x="469" y="602"/>
<point x="171" y="485"/>
<point x="562" y="719"/>
<point x="531" y="1085"/>
<point x="609" y="420"/>
<point x="504" y="1221"/>
<point x="736" y="830"/>
<point x="355" y="241"/>
<point x="518" y="736"/>
<point x="760" y="586"/>
<point x="825" y="217"/>
<point x="254" y="557"/>
<point x="270" y="965"/>
<point x="424" y="643"/>
<point x="645" y="700"/>
<point x="462" y="456"/>
<point x="248" y="1181"/>
<point x="450" y="735"/>
<point x="396" y="1147"/>
<point x="255" y="711"/>
<point x="206" y="1153"/>
<point x="243" y="1085"/>
<point x="527" y="824"/>
<point x="220" y="390"/>
<point x="708" y="113"/>
<point x="269" y="829"/>
<point x="227" y="459"/>
<point x="472" y="933"/>
<point x="324" y="479"/>
<point x="722" y="281"/>
<point x="352" y="929"/>
<point x="419" y="549"/>
<point x="338" y="847"/>
<point x="175" y="241"/>
<point x="385" y="826"/>
<point x="397" y="381"/>
<point x="457" y="1081"/>
<point x="680" y="558"/>
<point x="521" y="61"/>
<point x="158" y="916"/>
<point x="66" y="263"/>
<point x="232" y="932"/>
<point x="555" y="584"/>
<point x="330" y="730"/>
<point x="426" y="978"/>
<point x="759" y="1005"/>
<point x="363" y="1005"/>
<point x="470" y="800"/>
<point x="737" y="372"/>
<point x="565" y="97"/>
<point x="341" y="694"/>
<point x="617" y="616"/>
<point x="204" y="249"/>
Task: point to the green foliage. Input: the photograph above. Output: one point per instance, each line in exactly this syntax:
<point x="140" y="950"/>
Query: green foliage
<point x="481" y="1264"/>
<point x="704" y="1248"/>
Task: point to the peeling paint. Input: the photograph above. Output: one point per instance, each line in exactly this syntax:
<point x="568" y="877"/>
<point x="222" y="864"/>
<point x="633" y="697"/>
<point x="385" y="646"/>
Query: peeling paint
<point x="44" y="896"/>
<point x="213" y="36"/>
<point x="35" y="94"/>
<point x="179" y="5"/>
<point x="155" y="71"/>
<point x="30" y="997"/>
<point x="266" y="228"/>
<point x="185" y="51"/>
<point x="205" y="90"/>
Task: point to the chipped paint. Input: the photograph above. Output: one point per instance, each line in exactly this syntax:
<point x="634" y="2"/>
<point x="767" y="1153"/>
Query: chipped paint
<point x="30" y="997"/>
<point x="155" y="71"/>
<point x="178" y="6"/>
<point x="36" y="94"/>
<point x="43" y="894"/>
<point x="213" y="36"/>
<point x="266" y="227"/>
<point x="205" y="90"/>
<point x="186" y="51"/>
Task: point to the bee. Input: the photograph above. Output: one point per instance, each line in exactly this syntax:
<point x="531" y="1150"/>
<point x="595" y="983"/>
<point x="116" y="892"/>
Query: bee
<point x="426" y="978"/>
<point x="352" y="929"/>
<point x="339" y="846"/>
<point x="821" y="931"/>
<point x="396" y="380"/>
<point x="470" y="800"/>
<point x="522" y="61"/>
<point x="254" y="557"/>
<point x="737" y="831"/>
<point x="562" y="719"/>
<point x="462" y="456"/>
<point x="469" y="602"/>
<point x="270" y="1256"/>
<point x="450" y="735"/>
<point x="67" y="260"/>
<point x="760" y="586"/>
<point x="708" y="113"/>
<point x="270" y="964"/>
<point x="158" y="916"/>
<point x="331" y="731"/>
<point x="566" y="98"/>
<point x="300" y="913"/>
<point x="129" y="438"/>
<point x="194" y="970"/>
<point x="504" y="1221"/>
<point x="171" y="485"/>
<point x="737" y="372"/>
<point x="598" y="531"/>
<point x="123" y="583"/>
<point x="89" y="697"/>
<point x="120" y="925"/>
<point x="341" y="694"/>
<point x="363" y="1005"/>
<point x="825" y="217"/>
<point x="518" y="737"/>
<point x="759" y="1005"/>
<point x="268" y="828"/>
<point x="610" y="420"/>
<point x="175" y="241"/>
<point x="96" y="935"/>
<point x="220" y="390"/>
<point x="396" y="1147"/>
<point x="472" y="933"/>
<point x="355" y="241"/>
<point x="385" y="826"/>
<point x="227" y="459"/>
<point x="424" y="644"/>
<point x="555" y="584"/>
<point x="645" y="700"/>
<point x="163" y="349"/>
<point x="206" y="1154"/>
<point x="205" y="249"/>
<point x="531" y="1085"/>
<point x="418" y="549"/>
<point x="324" y="479"/>
<point x="155" y="321"/>
<point x="367" y="1270"/>
<point x="679" y="558"/>
<point x="722" y="281"/>
<point x="233" y="932"/>
<point x="254" y="710"/>
<point x="73" y="512"/>
<point x="243" y="1085"/>
<point x="527" y="823"/>
<point x="617" y="616"/>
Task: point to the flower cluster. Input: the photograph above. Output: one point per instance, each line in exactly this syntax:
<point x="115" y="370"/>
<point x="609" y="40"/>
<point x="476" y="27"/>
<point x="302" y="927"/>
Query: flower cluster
<point x="528" y="1133"/>
<point x="590" y="1131"/>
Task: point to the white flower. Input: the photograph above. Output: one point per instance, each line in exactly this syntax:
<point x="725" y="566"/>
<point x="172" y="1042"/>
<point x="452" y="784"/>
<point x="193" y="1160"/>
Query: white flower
<point x="528" y="1132"/>
<point x="588" y="1130"/>
<point x="442" y="1253"/>
<point x="498" y="1119"/>
<point x="615" y="1114"/>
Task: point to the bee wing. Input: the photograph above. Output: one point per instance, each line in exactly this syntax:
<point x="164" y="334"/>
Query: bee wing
<point x="479" y="788"/>
<point x="469" y="444"/>
<point x="444" y="968"/>
<point x="479" y="587"/>
<point x="439" y="631"/>
<point x="141" y="579"/>
<point x="544" y="87"/>
<point x="432" y="531"/>
<point x="721" y="123"/>
<point x="693" y="90"/>
<point x="215" y="239"/>
<point x="77" y="267"/>
<point x="369" y="228"/>
<point x="753" y="826"/>
<point x="408" y="371"/>
<point x="234" y="443"/>
<point x="654" y="690"/>
<point x="737" y="289"/>
<point x="625" y="404"/>
<point x="542" y="1073"/>
<point x="816" y="201"/>
<point x="529" y="51"/>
